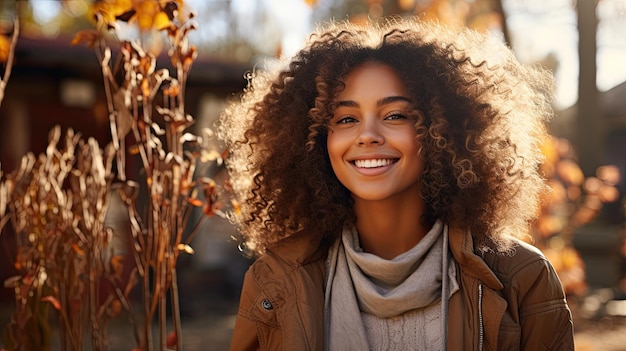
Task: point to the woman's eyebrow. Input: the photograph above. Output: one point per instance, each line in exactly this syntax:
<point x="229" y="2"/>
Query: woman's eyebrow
<point x="392" y="99"/>
<point x="381" y="102"/>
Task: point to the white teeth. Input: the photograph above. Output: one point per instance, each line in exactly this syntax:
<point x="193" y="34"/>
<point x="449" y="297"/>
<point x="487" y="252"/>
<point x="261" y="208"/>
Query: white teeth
<point x="373" y="163"/>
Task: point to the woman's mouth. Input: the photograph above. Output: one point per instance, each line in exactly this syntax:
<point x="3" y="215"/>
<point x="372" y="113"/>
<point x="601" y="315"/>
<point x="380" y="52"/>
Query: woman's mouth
<point x="374" y="163"/>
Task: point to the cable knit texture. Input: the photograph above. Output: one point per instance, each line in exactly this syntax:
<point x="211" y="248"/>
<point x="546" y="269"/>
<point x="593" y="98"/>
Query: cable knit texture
<point x="414" y="330"/>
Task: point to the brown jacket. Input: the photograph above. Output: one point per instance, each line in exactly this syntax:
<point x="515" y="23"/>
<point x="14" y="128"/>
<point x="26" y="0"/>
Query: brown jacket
<point x="505" y="302"/>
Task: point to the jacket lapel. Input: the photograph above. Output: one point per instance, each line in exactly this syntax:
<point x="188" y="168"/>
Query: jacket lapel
<point x="480" y="302"/>
<point x="462" y="247"/>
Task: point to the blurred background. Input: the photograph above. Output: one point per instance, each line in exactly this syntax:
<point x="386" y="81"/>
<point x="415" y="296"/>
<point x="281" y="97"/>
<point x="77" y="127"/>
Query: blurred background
<point x="581" y="226"/>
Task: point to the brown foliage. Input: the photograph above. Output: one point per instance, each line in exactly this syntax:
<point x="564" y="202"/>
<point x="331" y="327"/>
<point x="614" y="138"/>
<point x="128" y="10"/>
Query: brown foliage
<point x="57" y="201"/>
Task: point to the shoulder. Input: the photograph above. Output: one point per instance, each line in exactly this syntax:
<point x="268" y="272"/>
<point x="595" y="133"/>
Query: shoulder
<point x="521" y="258"/>
<point x="286" y="271"/>
<point x="301" y="251"/>
<point x="527" y="275"/>
<point x="535" y="297"/>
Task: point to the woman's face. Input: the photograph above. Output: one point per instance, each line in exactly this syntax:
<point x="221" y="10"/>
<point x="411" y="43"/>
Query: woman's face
<point x="371" y="141"/>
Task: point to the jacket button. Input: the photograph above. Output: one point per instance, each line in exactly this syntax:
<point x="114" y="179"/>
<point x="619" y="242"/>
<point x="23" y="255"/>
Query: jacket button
<point x="266" y="304"/>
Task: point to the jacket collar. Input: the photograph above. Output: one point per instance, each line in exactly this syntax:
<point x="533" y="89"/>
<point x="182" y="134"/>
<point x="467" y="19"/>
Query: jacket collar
<point x="462" y="247"/>
<point x="305" y="247"/>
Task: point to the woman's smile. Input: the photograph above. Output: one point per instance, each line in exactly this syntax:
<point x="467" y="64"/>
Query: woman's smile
<point x="373" y="163"/>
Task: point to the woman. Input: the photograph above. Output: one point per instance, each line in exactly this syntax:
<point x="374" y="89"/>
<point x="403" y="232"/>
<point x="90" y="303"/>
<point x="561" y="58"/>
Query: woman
<point x="387" y="175"/>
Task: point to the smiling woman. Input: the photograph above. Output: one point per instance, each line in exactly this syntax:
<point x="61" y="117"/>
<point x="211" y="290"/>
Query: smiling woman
<point x="374" y="153"/>
<point x="385" y="175"/>
<point x="372" y="142"/>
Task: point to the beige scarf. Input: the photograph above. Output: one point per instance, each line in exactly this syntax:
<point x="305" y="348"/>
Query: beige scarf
<point x="361" y="282"/>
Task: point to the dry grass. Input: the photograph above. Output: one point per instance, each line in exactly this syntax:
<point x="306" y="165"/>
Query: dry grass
<point x="57" y="201"/>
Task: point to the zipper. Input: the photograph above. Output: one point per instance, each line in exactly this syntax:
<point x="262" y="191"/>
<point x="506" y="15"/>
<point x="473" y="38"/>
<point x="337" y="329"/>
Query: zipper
<point x="480" y="318"/>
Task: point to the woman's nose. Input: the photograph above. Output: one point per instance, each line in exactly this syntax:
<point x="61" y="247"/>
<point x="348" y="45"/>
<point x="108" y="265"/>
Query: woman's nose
<point x="370" y="134"/>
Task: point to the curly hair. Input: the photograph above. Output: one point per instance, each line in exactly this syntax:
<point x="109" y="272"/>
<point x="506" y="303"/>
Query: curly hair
<point x="481" y="120"/>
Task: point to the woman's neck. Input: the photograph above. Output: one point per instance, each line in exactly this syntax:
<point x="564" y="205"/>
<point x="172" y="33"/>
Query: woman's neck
<point x="390" y="227"/>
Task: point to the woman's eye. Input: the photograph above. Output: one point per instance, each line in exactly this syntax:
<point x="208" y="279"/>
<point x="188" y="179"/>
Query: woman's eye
<point x="345" y="120"/>
<point x="395" y="116"/>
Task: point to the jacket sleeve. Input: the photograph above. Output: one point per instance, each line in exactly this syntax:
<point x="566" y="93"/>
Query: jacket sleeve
<point x="545" y="317"/>
<point x="245" y="336"/>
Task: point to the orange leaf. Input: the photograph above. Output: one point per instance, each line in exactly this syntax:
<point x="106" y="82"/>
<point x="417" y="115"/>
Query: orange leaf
<point x="115" y="308"/>
<point x="145" y="87"/>
<point x="117" y="265"/>
<point x="236" y="206"/>
<point x="171" y="339"/>
<point x="87" y="37"/>
<point x="185" y="248"/>
<point x="78" y="250"/>
<point x="5" y="47"/>
<point x="161" y="21"/>
<point x="110" y="10"/>
<point x="133" y="150"/>
<point x="195" y="202"/>
<point x="52" y="300"/>
<point x="190" y="56"/>
<point x="171" y="90"/>
<point x="13" y="281"/>
<point x="146" y="12"/>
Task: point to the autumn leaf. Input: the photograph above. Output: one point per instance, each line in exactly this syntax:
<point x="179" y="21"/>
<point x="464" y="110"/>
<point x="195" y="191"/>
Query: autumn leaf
<point x="190" y="56"/>
<point x="171" y="90"/>
<point x="117" y="265"/>
<point x="5" y="47"/>
<point x="171" y="339"/>
<point x="52" y="300"/>
<point x="146" y="12"/>
<point x="160" y="21"/>
<point x="133" y="149"/>
<point x="13" y="281"/>
<point x="145" y="87"/>
<point x="236" y="206"/>
<point x="88" y="37"/>
<point x="195" y="202"/>
<point x="110" y="10"/>
<point x="115" y="308"/>
<point x="78" y="250"/>
<point x="185" y="248"/>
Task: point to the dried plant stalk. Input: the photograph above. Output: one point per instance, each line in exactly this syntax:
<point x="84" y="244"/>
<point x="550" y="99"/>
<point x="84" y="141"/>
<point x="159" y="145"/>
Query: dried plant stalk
<point x="5" y="187"/>
<point x="58" y="205"/>
<point x="57" y="201"/>
<point x="8" y="64"/>
<point x="147" y="109"/>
